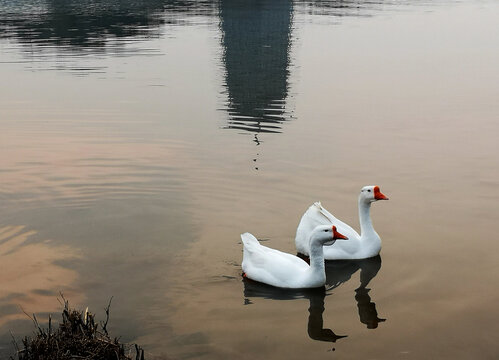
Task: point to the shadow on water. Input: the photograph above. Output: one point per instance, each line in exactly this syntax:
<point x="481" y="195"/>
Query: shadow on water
<point x="315" y="327"/>
<point x="256" y="39"/>
<point x="340" y="271"/>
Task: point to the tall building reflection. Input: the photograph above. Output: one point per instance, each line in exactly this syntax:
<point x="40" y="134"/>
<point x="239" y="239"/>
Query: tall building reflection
<point x="256" y="43"/>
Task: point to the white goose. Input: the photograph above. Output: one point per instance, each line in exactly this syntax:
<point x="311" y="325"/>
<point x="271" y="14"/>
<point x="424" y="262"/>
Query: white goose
<point x="284" y="270"/>
<point x="363" y="246"/>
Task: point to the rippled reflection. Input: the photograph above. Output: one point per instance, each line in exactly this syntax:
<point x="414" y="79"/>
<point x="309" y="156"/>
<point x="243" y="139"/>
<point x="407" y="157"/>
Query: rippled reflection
<point x="70" y="31"/>
<point x="342" y="7"/>
<point x="339" y="272"/>
<point x="256" y="42"/>
<point x="60" y="173"/>
<point x="315" y="326"/>
<point x="90" y="23"/>
<point x="30" y="275"/>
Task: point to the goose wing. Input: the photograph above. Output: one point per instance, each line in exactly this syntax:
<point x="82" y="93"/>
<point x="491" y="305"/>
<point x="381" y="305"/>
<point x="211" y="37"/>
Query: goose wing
<point x="329" y="218"/>
<point x="268" y="265"/>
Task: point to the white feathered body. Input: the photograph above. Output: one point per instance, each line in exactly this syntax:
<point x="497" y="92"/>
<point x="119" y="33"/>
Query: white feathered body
<point x="277" y="268"/>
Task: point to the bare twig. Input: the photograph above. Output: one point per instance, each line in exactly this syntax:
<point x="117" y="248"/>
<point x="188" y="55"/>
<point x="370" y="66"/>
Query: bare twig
<point x="25" y="313"/>
<point x="104" y="326"/>
<point x="14" y="341"/>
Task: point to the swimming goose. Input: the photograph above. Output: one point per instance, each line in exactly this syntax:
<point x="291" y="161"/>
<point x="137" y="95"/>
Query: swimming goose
<point x="284" y="270"/>
<point x="363" y="246"/>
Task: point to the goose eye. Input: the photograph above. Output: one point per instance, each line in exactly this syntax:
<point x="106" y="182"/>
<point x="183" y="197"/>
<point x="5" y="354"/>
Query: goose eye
<point x="326" y="230"/>
<point x="369" y="190"/>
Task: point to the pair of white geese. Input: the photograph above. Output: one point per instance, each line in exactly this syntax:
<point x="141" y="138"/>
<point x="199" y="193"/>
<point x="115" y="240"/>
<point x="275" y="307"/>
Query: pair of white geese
<point x="317" y="228"/>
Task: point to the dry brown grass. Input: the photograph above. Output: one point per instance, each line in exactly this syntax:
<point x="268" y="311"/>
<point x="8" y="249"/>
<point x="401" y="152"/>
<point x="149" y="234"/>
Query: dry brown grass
<point x="78" y="336"/>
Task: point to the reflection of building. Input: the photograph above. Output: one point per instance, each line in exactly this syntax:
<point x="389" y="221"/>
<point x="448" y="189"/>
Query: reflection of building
<point x="256" y="40"/>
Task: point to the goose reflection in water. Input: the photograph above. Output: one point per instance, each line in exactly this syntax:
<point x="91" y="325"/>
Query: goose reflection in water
<point x="316" y="298"/>
<point x="340" y="271"/>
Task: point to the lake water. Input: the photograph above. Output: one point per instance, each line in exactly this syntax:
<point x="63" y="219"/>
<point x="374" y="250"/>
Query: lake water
<point x="139" y="139"/>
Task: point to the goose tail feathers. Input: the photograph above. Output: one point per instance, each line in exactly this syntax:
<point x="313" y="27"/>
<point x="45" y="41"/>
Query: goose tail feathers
<point x="322" y="211"/>
<point x="249" y="240"/>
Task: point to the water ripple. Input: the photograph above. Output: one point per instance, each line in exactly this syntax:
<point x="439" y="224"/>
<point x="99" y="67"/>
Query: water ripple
<point x="65" y="177"/>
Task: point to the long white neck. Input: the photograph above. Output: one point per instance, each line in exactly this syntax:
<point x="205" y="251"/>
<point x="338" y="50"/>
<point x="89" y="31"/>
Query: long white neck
<point x="366" y="225"/>
<point x="317" y="258"/>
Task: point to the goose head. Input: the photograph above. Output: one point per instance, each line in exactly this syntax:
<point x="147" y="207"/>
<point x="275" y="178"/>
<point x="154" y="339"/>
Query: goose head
<point x="326" y="235"/>
<point x="371" y="193"/>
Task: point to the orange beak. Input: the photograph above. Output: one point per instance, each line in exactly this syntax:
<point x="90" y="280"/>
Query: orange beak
<point x="378" y="195"/>
<point x="337" y="235"/>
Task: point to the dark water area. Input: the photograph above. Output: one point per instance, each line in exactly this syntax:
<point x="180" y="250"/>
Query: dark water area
<point x="139" y="139"/>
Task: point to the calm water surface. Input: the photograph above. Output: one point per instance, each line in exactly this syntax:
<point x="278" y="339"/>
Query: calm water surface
<point x="139" y="139"/>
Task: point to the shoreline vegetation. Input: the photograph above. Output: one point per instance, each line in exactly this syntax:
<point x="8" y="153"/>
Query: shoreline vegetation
<point x="77" y="337"/>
